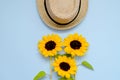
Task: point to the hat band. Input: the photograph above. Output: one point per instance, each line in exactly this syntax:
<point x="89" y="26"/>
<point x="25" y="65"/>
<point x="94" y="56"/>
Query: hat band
<point x="58" y="22"/>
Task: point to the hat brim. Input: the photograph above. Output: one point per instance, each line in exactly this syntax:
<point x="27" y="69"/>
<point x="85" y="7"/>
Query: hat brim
<point x="46" y="19"/>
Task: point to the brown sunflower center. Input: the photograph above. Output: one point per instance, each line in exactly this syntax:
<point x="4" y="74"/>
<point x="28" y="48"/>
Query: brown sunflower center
<point x="75" y="44"/>
<point x="50" y="45"/>
<point x="64" y="66"/>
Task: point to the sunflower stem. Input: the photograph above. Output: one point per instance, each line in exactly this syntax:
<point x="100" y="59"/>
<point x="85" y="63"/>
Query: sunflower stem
<point x="74" y="77"/>
<point x="51" y="68"/>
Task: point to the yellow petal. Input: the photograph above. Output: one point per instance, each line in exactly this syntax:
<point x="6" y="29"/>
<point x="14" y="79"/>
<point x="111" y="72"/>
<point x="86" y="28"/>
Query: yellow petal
<point x="67" y="75"/>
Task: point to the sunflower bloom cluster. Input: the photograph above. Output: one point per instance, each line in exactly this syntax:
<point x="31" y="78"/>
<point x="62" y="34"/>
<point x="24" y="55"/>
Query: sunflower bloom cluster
<point x="73" y="44"/>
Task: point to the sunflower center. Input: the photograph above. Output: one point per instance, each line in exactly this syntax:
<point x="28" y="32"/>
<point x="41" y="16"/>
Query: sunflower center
<point x="64" y="66"/>
<point x="75" y="44"/>
<point x="50" y="45"/>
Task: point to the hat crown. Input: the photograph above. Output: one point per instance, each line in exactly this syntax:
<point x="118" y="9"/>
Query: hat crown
<point x="62" y="11"/>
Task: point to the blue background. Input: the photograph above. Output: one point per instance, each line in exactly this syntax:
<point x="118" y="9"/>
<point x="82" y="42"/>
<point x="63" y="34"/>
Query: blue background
<point x="21" y="28"/>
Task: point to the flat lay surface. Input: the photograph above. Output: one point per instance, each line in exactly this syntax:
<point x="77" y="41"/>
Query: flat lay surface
<point x="21" y="28"/>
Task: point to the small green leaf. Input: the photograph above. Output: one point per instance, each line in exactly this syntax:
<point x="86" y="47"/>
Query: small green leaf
<point x="87" y="64"/>
<point x="41" y="74"/>
<point x="68" y="55"/>
<point x="63" y="78"/>
<point x="70" y="79"/>
<point x="56" y="56"/>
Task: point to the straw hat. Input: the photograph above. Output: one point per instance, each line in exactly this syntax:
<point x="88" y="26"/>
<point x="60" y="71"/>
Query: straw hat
<point x="62" y="14"/>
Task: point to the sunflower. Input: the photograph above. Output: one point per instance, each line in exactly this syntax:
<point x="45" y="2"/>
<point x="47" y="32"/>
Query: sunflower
<point x="76" y="45"/>
<point x="65" y="66"/>
<point x="49" y="45"/>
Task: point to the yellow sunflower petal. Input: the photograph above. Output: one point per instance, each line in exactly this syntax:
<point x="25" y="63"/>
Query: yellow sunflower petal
<point x="67" y="75"/>
<point x="67" y="49"/>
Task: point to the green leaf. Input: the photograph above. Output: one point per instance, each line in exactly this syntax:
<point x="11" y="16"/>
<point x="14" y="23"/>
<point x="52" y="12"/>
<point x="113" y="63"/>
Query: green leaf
<point x="56" y="56"/>
<point x="68" y="55"/>
<point x="40" y="75"/>
<point x="87" y="65"/>
<point x="70" y="79"/>
<point x="63" y="78"/>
